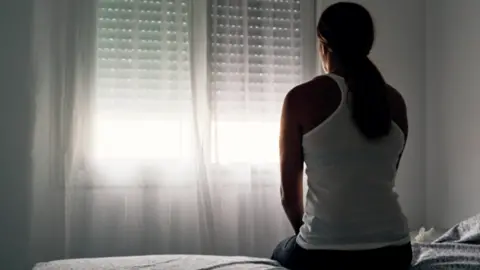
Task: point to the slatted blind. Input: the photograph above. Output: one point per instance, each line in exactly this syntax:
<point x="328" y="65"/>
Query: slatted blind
<point x="143" y="55"/>
<point x="144" y="76"/>
<point x="256" y="55"/>
<point x="143" y="102"/>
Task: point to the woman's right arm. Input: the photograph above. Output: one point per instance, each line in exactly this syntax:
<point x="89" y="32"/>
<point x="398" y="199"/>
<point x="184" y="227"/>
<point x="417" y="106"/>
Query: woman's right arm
<point x="399" y="114"/>
<point x="291" y="162"/>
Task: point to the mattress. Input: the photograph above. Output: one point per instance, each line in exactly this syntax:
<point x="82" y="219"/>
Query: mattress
<point x="458" y="248"/>
<point x="167" y="262"/>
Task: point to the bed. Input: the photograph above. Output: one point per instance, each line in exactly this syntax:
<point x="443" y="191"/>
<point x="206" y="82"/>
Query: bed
<point x="170" y="262"/>
<point x="457" y="248"/>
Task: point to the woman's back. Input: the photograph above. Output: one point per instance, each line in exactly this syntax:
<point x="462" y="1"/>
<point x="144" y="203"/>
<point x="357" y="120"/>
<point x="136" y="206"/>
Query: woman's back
<point x="350" y="128"/>
<point x="350" y="202"/>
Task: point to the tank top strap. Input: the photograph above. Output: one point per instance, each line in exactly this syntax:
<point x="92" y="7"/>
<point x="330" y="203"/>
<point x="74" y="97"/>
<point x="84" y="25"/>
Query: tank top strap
<point x="342" y="85"/>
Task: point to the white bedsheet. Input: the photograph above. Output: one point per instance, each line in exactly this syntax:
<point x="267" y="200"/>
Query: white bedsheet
<point x="167" y="262"/>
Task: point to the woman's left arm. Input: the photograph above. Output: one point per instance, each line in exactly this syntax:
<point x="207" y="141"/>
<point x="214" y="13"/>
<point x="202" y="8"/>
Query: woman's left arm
<point x="291" y="162"/>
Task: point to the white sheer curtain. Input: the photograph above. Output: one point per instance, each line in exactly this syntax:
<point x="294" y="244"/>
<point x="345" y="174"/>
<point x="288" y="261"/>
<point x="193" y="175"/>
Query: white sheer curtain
<point x="157" y="124"/>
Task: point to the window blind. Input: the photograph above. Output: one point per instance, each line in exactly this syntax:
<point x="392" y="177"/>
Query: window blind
<point x="256" y="55"/>
<point x="143" y="102"/>
<point x="144" y="96"/>
<point x="143" y="55"/>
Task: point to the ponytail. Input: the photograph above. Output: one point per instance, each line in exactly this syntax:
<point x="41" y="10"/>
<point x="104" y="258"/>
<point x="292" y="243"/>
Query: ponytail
<point x="350" y="41"/>
<point x="369" y="101"/>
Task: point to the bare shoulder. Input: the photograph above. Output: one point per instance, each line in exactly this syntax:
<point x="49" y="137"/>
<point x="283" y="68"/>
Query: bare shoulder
<point x="305" y="91"/>
<point x="312" y="102"/>
<point x="395" y="95"/>
<point x="396" y="100"/>
<point x="398" y="108"/>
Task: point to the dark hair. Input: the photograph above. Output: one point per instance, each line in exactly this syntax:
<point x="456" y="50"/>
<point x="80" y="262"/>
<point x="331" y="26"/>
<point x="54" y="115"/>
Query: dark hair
<point x="347" y="31"/>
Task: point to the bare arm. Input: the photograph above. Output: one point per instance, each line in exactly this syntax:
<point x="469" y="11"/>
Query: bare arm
<point x="399" y="114"/>
<point x="291" y="164"/>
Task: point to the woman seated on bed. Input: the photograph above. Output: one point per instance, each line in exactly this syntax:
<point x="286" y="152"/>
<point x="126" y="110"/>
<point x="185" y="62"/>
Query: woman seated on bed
<point x="349" y="127"/>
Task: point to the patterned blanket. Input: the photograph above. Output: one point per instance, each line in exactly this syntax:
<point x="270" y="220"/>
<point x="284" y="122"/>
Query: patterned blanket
<point x="458" y="248"/>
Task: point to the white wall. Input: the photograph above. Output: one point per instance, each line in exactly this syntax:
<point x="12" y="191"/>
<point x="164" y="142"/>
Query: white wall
<point x="453" y="111"/>
<point x="15" y="141"/>
<point x="399" y="53"/>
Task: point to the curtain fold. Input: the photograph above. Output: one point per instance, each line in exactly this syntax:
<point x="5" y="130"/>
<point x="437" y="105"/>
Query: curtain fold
<point x="64" y="53"/>
<point x="201" y="102"/>
<point x="156" y="125"/>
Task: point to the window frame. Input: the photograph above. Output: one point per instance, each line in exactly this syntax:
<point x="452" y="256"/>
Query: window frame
<point x="200" y="27"/>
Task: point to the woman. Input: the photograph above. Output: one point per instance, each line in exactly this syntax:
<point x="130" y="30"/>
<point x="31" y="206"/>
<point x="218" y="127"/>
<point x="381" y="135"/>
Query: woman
<point x="349" y="127"/>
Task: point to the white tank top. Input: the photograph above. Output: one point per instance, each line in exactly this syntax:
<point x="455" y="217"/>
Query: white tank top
<point x="351" y="203"/>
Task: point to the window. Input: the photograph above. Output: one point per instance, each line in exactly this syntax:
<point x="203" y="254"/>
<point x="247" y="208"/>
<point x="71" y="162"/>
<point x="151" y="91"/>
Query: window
<point x="256" y="50"/>
<point x="144" y="99"/>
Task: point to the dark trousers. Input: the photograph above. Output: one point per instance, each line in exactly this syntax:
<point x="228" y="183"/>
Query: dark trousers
<point x="291" y="256"/>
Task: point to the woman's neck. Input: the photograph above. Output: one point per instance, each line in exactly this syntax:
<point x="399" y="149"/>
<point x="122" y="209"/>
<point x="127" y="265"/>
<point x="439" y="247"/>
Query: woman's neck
<point x="338" y="72"/>
<point x="335" y="67"/>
